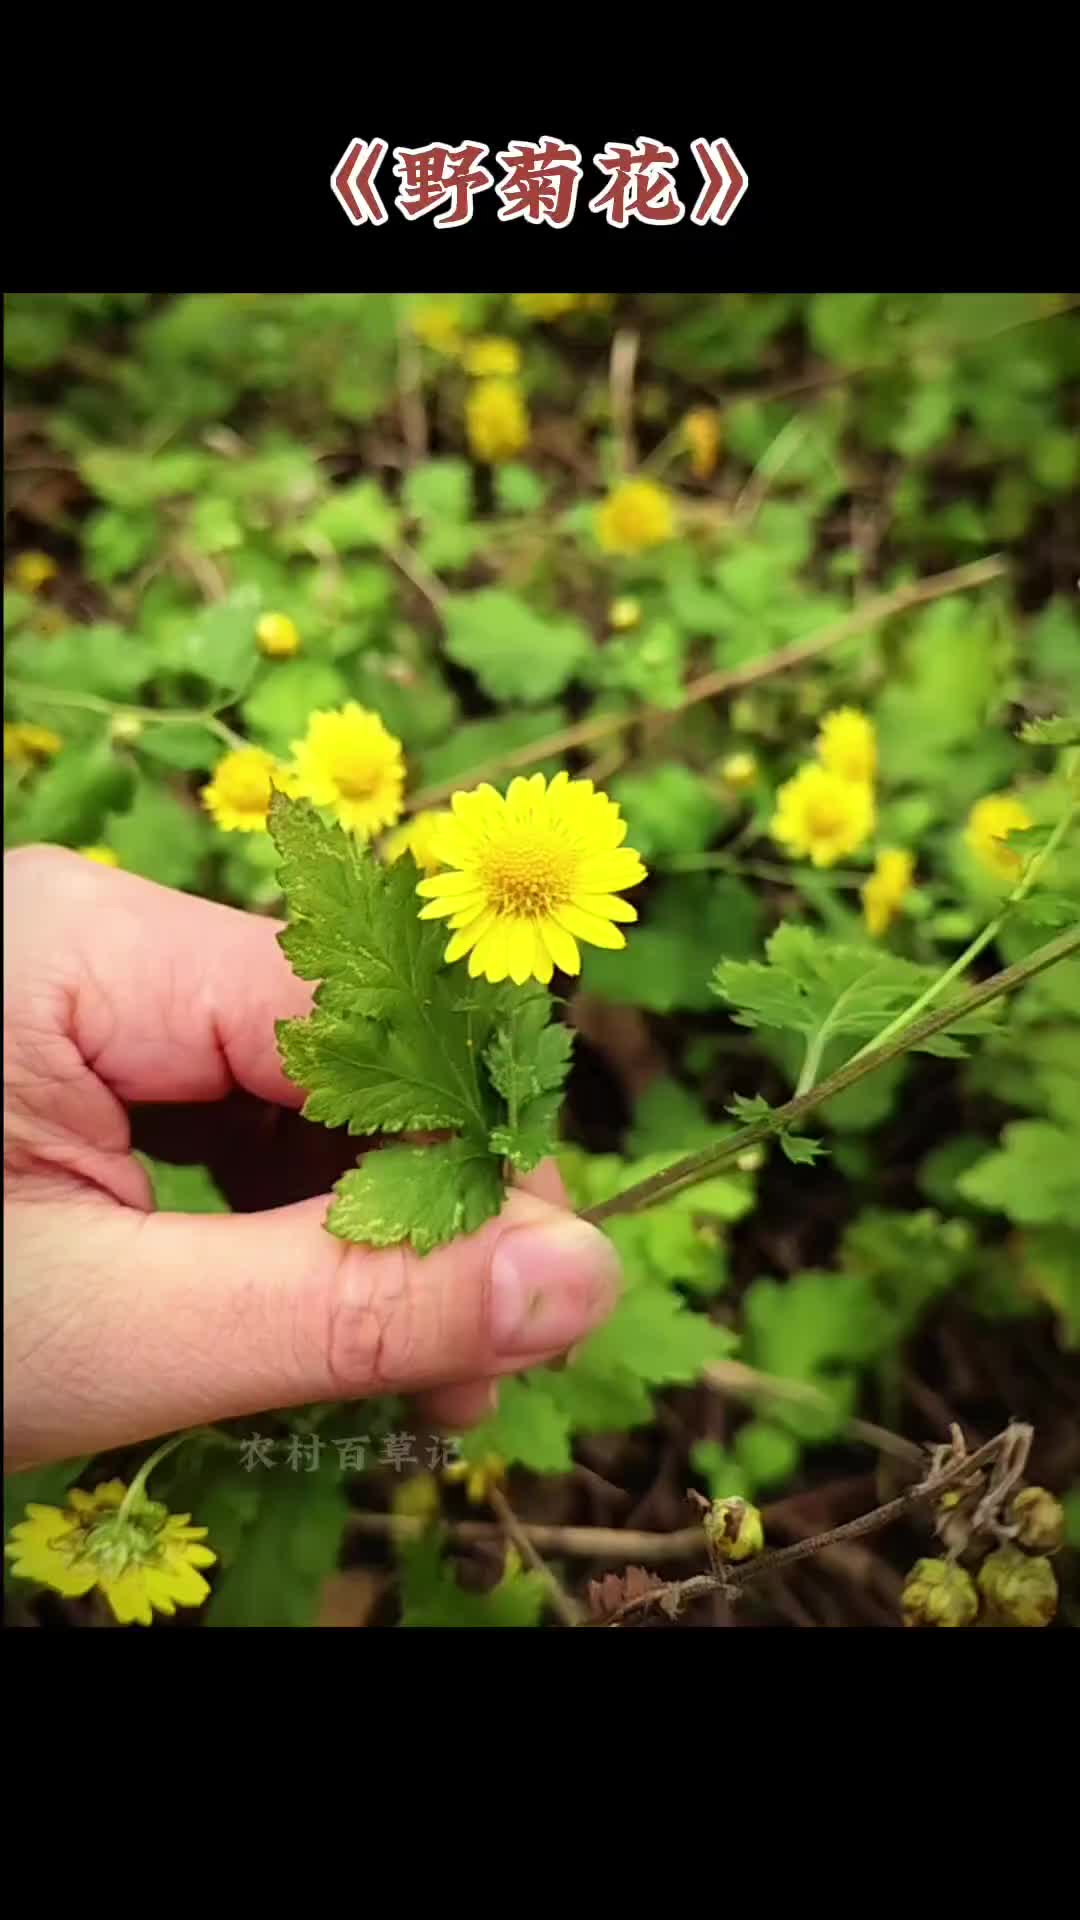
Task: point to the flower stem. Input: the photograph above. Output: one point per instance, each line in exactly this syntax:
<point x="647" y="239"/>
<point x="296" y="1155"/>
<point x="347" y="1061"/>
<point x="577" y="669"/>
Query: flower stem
<point x="154" y="716"/>
<point x="138" y="1486"/>
<point x="695" y="1167"/>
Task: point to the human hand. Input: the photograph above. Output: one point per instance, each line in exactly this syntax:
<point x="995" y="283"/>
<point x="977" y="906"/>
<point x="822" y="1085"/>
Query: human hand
<point x="124" y="1000"/>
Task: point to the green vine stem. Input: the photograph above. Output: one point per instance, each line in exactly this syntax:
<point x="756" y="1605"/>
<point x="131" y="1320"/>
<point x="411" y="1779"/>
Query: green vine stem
<point x="703" y="1165"/>
<point x="153" y="716"/>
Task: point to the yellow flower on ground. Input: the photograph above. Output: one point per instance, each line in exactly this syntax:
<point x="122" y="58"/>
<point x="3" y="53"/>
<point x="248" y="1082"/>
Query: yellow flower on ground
<point x="496" y="420"/>
<point x="821" y="817"/>
<point x="348" y="761"/>
<point x="32" y="571"/>
<point x="278" y="636"/>
<point x="438" y="324"/>
<point x="624" y="613"/>
<point x="547" y="306"/>
<point x="103" y="856"/>
<point x="420" y="837"/>
<point x="492" y="356"/>
<point x="988" y="822"/>
<point x="142" y="1557"/>
<point x="534" y="872"/>
<point x="885" y="891"/>
<point x="739" y="771"/>
<point x="636" y="515"/>
<point x="701" y="434"/>
<point x="238" y="795"/>
<point x="479" y="1476"/>
<point x="847" y="745"/>
<point x="25" y="743"/>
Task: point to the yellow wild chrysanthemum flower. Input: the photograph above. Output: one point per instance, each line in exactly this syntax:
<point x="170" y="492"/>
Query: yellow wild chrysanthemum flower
<point x="847" y="745"/>
<point x="25" y="743"/>
<point x="142" y="1557"/>
<point x="496" y="420"/>
<point x="533" y="872"/>
<point x="821" y="817"/>
<point x="101" y="856"/>
<point x="492" y="357"/>
<point x="701" y="436"/>
<point x="479" y="1476"/>
<point x="988" y="822"/>
<point x="546" y="306"/>
<point x="438" y="324"/>
<point x="348" y="761"/>
<point x="636" y="515"/>
<point x="238" y="795"/>
<point x="278" y="636"/>
<point x="32" y="571"/>
<point x="420" y="837"/>
<point x="885" y="891"/>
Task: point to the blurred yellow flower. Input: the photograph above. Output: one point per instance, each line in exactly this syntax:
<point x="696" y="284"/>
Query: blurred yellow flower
<point x="496" y="420"/>
<point x="479" y="1476"/>
<point x="624" y="613"/>
<point x="25" y="743"/>
<point x="988" y="822"/>
<point x="885" y="890"/>
<point x="637" y="514"/>
<point x="546" y="306"/>
<point x="142" y="1557"/>
<point x="535" y="871"/>
<point x="821" y="817"/>
<point x="238" y="794"/>
<point x="738" y="771"/>
<point x="420" y="837"/>
<point x="348" y="761"/>
<point x="492" y="356"/>
<point x="32" y="571"/>
<point x="847" y="744"/>
<point x="438" y="324"/>
<point x="278" y="636"/>
<point x="103" y="856"/>
<point x="701" y="433"/>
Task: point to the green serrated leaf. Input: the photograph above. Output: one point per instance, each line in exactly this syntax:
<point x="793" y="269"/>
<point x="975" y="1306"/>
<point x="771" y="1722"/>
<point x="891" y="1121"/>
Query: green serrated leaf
<point x="799" y="1148"/>
<point x="528" y="1428"/>
<point x="515" y="652"/>
<point x="426" y="1195"/>
<point x="528" y="1062"/>
<point x="1060" y="731"/>
<point x="281" y="1558"/>
<point x="160" y="837"/>
<point x="432" y="1597"/>
<point x="1032" y="1177"/>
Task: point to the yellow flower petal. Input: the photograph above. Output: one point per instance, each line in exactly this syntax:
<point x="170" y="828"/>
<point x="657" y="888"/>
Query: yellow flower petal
<point x="561" y="945"/>
<point x="588" y="926"/>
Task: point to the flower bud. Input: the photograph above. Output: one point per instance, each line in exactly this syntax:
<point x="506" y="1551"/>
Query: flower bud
<point x="624" y="614"/>
<point x="739" y="771"/>
<point x="278" y="636"/>
<point x="1017" y="1591"/>
<point x="124" y="728"/>
<point x="1039" y="1520"/>
<point x="734" y="1530"/>
<point x="938" y="1594"/>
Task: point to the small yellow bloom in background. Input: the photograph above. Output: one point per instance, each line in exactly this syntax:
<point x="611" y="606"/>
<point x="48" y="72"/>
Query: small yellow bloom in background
<point x="989" y="821"/>
<point x="490" y="356"/>
<point x="624" y="613"/>
<point x="739" y="771"/>
<point x="496" y="420"/>
<point x="637" y="514"/>
<point x="701" y="435"/>
<point x="821" y="817"/>
<point x="547" y="306"/>
<point x="479" y="1476"/>
<point x="534" y="872"/>
<point x="847" y="745"/>
<point x="420" y="837"/>
<point x="278" y="636"/>
<point x="32" y="571"/>
<point x="144" y="1559"/>
<point x="885" y="891"/>
<point x="25" y="743"/>
<point x="238" y="795"/>
<point x="102" y="856"/>
<point x="348" y="761"/>
<point x="438" y="324"/>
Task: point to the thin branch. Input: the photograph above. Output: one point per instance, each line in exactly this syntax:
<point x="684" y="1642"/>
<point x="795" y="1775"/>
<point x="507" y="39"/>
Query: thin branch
<point x="711" y="686"/>
<point x="624" y="353"/>
<point x="709" y="1160"/>
<point x="578" y="1543"/>
<point x="568" y="1610"/>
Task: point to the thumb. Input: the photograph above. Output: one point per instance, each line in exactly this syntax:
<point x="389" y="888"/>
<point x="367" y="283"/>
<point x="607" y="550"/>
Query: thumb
<point x="205" y="1317"/>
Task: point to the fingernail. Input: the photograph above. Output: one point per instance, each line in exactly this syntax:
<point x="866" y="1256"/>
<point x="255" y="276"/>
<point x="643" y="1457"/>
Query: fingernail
<point x="550" y="1284"/>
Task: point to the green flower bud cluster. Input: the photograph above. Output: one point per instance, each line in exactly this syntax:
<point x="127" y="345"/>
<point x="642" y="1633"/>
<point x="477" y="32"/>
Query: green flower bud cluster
<point x="1015" y="1586"/>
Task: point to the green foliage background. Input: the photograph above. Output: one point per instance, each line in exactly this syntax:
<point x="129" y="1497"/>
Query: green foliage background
<point x="192" y="461"/>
